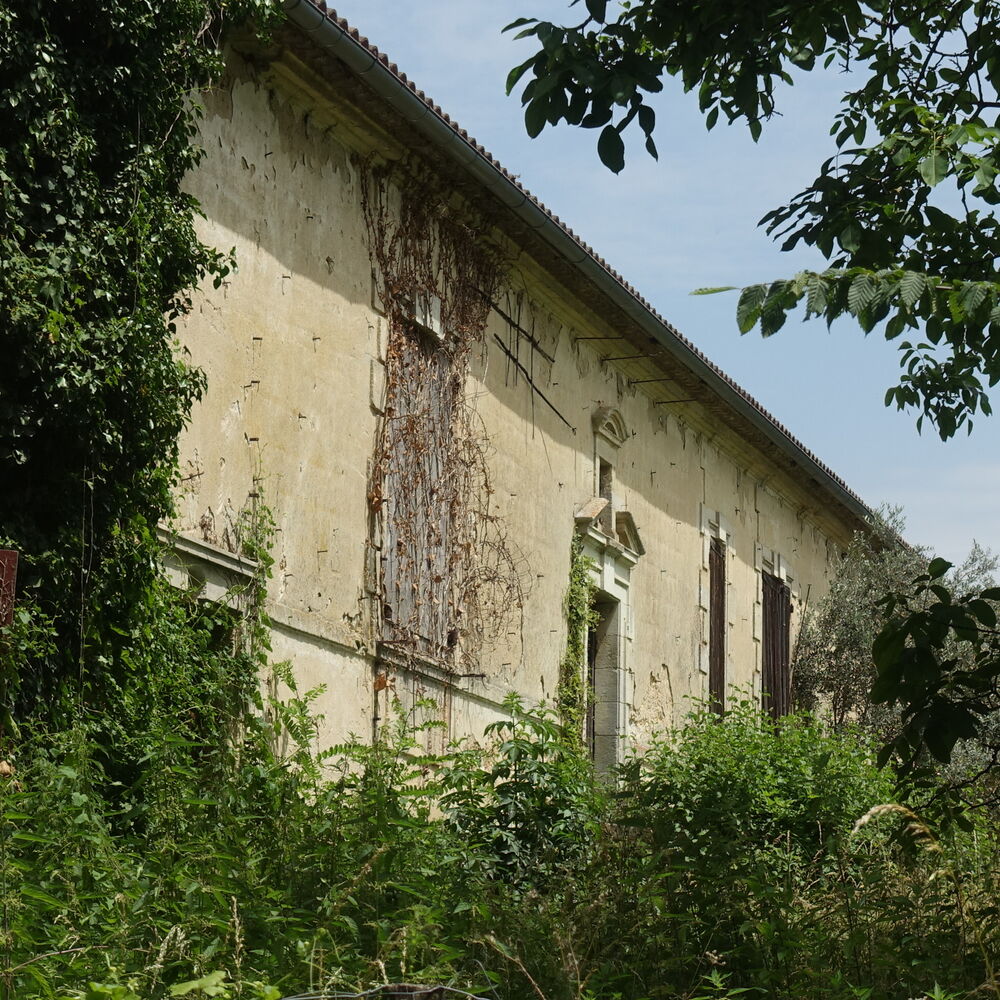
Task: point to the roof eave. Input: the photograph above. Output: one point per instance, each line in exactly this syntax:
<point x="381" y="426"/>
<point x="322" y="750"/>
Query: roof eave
<point x="383" y="78"/>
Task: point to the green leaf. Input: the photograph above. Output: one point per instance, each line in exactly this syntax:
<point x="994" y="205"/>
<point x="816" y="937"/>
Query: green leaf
<point x="934" y="168"/>
<point x="516" y="73"/>
<point x="40" y="896"/>
<point x="816" y="300"/>
<point x="748" y="309"/>
<point x="911" y="287"/>
<point x="100" y="991"/>
<point x="774" y="311"/>
<point x="938" y="567"/>
<point x="887" y="651"/>
<point x="611" y="149"/>
<point x="536" y="116"/>
<point x="850" y="237"/>
<point x="32" y="838"/>
<point x="600" y="114"/>
<point x="861" y="293"/>
<point x="211" y="985"/>
<point x="714" y="291"/>
<point x="940" y="741"/>
<point x="597" y="9"/>
<point x="973" y="295"/>
<point x="647" y="119"/>
<point x="984" y="611"/>
<point x="519" y="23"/>
<point x="985" y="176"/>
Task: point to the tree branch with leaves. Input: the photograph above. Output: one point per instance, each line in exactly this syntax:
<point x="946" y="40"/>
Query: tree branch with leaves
<point x="903" y="209"/>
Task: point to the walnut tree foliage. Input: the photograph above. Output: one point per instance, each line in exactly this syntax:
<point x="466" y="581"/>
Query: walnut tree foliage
<point x="98" y="254"/>
<point x="903" y="210"/>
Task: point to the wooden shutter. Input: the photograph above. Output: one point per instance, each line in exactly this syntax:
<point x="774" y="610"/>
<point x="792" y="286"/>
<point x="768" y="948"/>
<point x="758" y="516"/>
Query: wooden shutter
<point x="418" y="608"/>
<point x="717" y="626"/>
<point x="776" y="653"/>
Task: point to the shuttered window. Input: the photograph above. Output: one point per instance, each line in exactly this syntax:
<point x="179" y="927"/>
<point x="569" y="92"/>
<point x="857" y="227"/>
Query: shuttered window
<point x="775" y="646"/>
<point x="417" y="557"/>
<point x="717" y="626"/>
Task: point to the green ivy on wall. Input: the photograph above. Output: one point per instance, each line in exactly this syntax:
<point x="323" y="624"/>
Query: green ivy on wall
<point x="580" y="617"/>
<point x="98" y="259"/>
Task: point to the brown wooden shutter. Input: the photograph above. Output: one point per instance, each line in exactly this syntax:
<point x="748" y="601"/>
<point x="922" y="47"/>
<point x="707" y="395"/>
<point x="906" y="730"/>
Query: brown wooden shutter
<point x="717" y="626"/>
<point x="776" y="653"/>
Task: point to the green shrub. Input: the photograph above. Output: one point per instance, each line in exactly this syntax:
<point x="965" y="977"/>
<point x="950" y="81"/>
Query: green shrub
<point x="527" y="806"/>
<point x="725" y="860"/>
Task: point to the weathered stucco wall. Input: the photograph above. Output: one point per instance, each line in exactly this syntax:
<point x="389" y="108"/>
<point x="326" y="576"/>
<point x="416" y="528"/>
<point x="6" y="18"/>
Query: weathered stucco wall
<point x="293" y="347"/>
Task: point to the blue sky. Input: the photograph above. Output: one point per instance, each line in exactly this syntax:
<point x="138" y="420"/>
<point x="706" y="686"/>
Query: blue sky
<point x="689" y="221"/>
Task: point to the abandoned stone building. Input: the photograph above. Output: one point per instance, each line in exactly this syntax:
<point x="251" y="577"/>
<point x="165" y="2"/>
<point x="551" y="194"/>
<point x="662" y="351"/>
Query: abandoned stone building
<point x="434" y="387"/>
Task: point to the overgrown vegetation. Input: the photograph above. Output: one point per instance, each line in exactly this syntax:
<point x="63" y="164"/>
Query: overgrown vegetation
<point x="165" y="826"/>
<point x="729" y="861"/>
<point x="448" y="577"/>
<point x="98" y="255"/>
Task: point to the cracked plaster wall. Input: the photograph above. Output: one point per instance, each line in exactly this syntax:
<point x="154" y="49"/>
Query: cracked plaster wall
<point x="291" y="345"/>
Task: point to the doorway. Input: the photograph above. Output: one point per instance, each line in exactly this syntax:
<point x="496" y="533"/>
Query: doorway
<point x="602" y="727"/>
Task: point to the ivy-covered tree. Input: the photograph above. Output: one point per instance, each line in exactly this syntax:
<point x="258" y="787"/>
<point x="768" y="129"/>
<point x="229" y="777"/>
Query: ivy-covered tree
<point x="98" y="255"/>
<point x="919" y="118"/>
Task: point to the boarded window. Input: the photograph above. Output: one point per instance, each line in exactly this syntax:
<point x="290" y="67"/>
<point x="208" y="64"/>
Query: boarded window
<point x="420" y="499"/>
<point x="717" y="626"/>
<point x="775" y="646"/>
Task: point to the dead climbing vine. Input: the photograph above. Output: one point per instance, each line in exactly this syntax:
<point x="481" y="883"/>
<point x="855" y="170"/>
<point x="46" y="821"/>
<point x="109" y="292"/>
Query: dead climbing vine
<point x="446" y="576"/>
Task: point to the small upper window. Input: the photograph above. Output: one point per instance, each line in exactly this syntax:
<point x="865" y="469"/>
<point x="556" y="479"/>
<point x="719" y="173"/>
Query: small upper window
<point x="605" y="490"/>
<point x="609" y="424"/>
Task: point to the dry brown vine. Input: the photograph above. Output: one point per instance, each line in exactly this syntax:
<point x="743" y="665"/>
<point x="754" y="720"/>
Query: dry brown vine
<point x="446" y="577"/>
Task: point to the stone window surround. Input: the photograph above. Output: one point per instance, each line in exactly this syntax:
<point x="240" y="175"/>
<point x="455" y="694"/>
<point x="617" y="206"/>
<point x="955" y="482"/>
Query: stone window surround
<point x="612" y="563"/>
